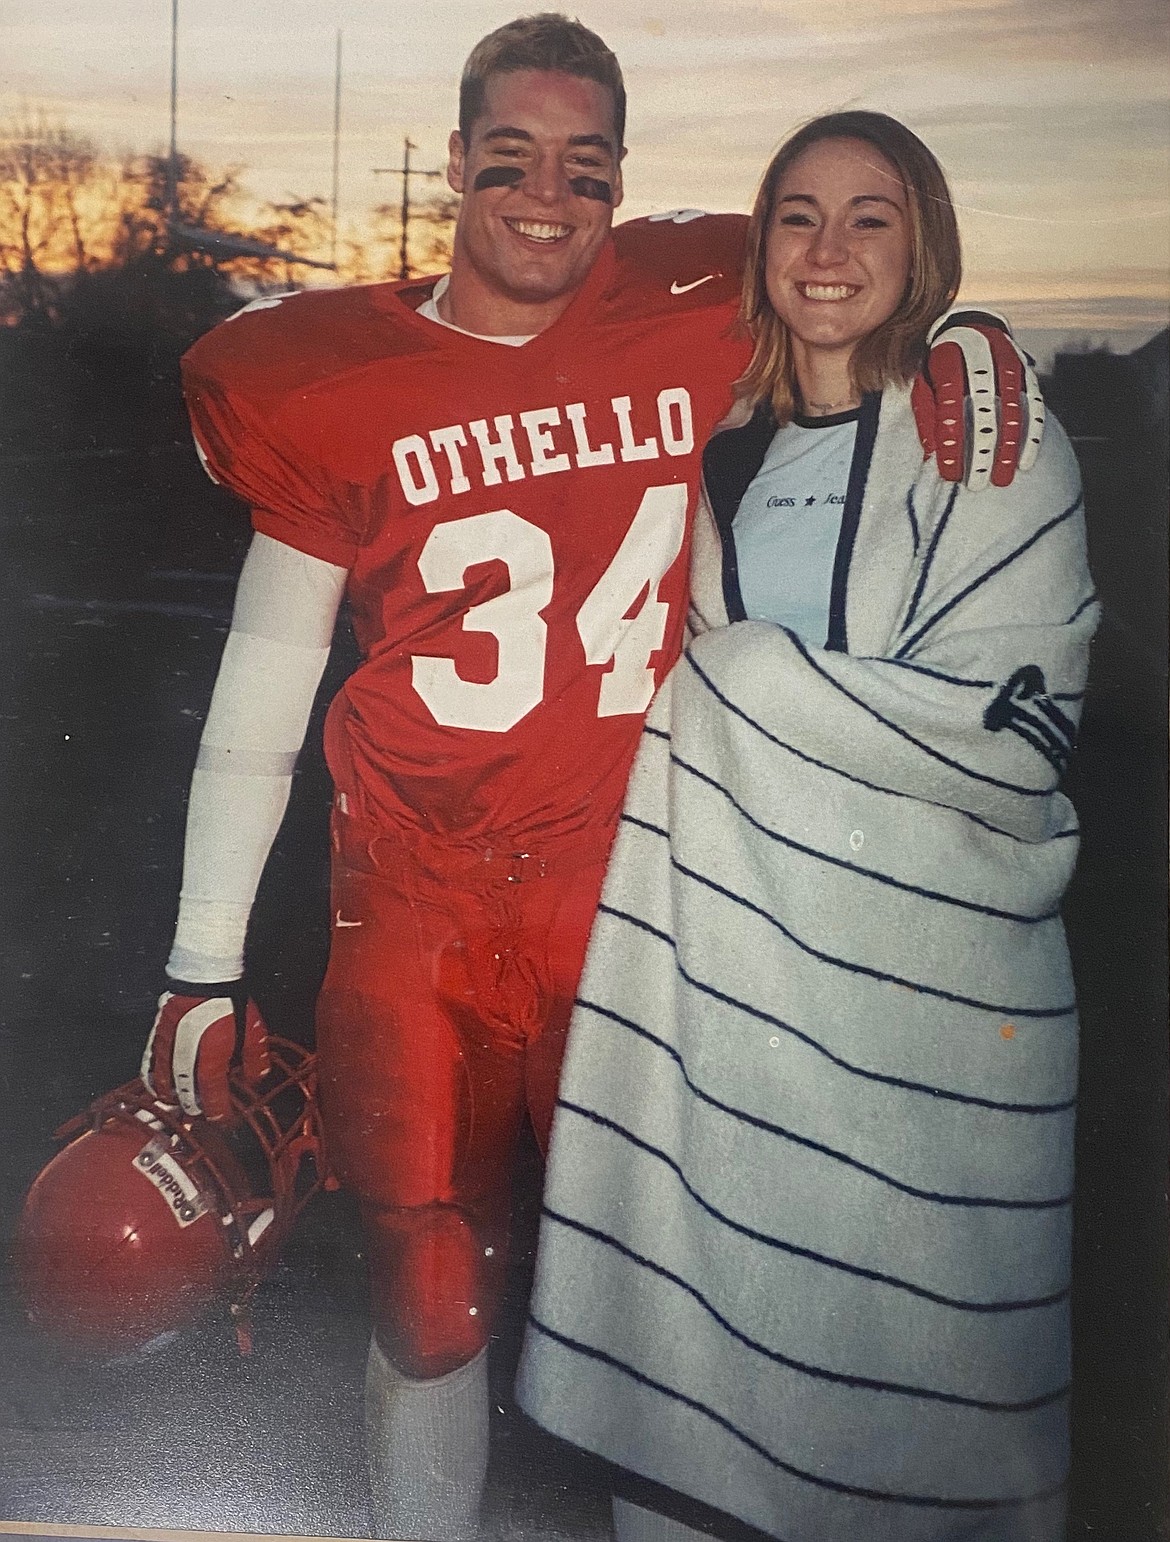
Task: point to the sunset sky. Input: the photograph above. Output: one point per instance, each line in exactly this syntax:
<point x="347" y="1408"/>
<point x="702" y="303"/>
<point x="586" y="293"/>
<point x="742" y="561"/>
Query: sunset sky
<point x="1050" y="116"/>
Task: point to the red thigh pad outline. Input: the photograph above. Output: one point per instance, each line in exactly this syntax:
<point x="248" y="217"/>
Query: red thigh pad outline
<point x="421" y="1101"/>
<point x="443" y="1014"/>
<point x="395" y="1099"/>
<point x="436" y="1278"/>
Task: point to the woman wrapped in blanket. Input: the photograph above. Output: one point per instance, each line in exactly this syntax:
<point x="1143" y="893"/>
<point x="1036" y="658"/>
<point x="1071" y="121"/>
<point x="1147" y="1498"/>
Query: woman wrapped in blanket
<point x="805" y="1249"/>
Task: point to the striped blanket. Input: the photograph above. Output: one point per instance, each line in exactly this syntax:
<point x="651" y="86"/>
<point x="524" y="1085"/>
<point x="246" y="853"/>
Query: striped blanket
<point x="805" y="1246"/>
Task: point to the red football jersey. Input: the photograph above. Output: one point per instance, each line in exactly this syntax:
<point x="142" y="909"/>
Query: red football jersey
<point x="516" y="520"/>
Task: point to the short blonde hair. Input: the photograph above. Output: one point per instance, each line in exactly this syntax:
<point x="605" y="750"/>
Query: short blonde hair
<point x="896" y="349"/>
<point x="547" y="41"/>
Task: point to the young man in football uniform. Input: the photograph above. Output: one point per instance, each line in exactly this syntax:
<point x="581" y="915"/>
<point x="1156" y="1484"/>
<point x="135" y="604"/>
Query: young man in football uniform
<point x="497" y="470"/>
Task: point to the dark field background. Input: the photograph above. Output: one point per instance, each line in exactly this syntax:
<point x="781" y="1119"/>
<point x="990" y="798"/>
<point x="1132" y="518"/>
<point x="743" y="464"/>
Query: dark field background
<point x="119" y="559"/>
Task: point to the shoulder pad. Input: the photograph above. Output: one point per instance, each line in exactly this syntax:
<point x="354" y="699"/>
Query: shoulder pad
<point x="284" y="342"/>
<point x="684" y="252"/>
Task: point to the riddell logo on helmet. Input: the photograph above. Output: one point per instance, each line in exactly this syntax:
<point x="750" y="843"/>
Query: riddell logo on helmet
<point x="185" y="1200"/>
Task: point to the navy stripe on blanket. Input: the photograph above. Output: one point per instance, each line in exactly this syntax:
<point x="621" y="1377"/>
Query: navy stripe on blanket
<point x="795" y="1250"/>
<point x="867" y="424"/>
<point x="996" y="567"/>
<point x="1046" y="741"/>
<point x="1000" y="1008"/>
<point x="1062" y="726"/>
<point x="912" y="516"/>
<point x="770" y="1127"/>
<point x="856" y="1070"/>
<point x="1082" y="608"/>
<point x="855" y="867"/>
<point x="850" y="776"/>
<point x="935" y="674"/>
<point x="923" y="1501"/>
<point x="804" y="1367"/>
<point x="658" y="830"/>
<point x="824" y="765"/>
<point x="920" y="586"/>
<point x="919" y="744"/>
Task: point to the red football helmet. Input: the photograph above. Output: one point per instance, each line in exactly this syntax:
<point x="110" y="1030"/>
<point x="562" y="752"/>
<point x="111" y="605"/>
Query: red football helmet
<point x="148" y="1219"/>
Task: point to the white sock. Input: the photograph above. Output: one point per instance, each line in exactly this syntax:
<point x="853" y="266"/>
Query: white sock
<point x="427" y="1449"/>
<point x="633" y="1524"/>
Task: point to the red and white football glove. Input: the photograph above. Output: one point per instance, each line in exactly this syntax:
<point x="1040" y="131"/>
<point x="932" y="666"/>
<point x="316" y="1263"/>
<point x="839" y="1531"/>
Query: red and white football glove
<point x="977" y="402"/>
<point x="200" y="1034"/>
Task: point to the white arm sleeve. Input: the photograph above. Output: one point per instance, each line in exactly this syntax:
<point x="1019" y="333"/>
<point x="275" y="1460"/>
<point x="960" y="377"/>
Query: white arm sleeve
<point x="282" y="626"/>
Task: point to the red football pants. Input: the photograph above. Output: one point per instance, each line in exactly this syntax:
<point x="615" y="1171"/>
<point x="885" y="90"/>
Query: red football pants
<point x="442" y="1019"/>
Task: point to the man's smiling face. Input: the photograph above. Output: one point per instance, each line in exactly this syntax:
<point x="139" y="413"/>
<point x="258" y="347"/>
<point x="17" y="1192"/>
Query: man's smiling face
<point x="540" y="181"/>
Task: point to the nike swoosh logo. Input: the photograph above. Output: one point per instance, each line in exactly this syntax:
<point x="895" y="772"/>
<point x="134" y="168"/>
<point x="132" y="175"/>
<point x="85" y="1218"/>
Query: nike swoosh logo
<point x="677" y="288"/>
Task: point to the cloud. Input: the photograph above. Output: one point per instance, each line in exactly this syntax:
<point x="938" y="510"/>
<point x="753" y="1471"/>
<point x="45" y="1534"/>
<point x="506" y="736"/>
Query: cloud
<point x="1049" y="115"/>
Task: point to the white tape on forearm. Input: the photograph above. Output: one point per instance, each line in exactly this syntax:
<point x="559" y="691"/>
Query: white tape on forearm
<point x="263" y="694"/>
<point x="287" y="596"/>
<point x="260" y="708"/>
<point x="232" y="822"/>
<point x="235" y="760"/>
<point x="209" y="941"/>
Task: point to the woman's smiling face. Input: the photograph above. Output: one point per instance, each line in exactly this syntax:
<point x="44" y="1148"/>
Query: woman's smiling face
<point x="838" y="246"/>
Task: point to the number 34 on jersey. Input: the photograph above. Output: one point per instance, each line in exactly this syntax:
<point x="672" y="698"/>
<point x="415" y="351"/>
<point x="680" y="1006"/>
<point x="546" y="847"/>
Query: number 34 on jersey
<point x="618" y="635"/>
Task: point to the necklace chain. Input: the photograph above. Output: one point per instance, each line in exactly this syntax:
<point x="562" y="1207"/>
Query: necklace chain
<point x="823" y="409"/>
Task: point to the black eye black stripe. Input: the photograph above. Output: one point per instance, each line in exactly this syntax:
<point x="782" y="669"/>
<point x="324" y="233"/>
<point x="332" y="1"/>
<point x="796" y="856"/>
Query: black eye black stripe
<point x="592" y="187"/>
<point x="498" y="176"/>
<point x="512" y="176"/>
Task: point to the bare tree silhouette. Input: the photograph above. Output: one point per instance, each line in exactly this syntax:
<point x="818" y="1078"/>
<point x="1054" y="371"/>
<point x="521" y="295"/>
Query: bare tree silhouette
<point x="111" y="266"/>
<point x="71" y="214"/>
<point x="299" y="226"/>
<point x="432" y="229"/>
<point x="49" y="179"/>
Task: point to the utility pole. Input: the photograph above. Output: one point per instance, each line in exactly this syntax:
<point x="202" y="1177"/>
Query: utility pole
<point x="405" y="171"/>
<point x="336" y="148"/>
<point x="172" y="209"/>
<point x="193" y="237"/>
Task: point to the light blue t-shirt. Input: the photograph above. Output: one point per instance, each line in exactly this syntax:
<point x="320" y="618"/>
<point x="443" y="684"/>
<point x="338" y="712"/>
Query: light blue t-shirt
<point x="788" y="524"/>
